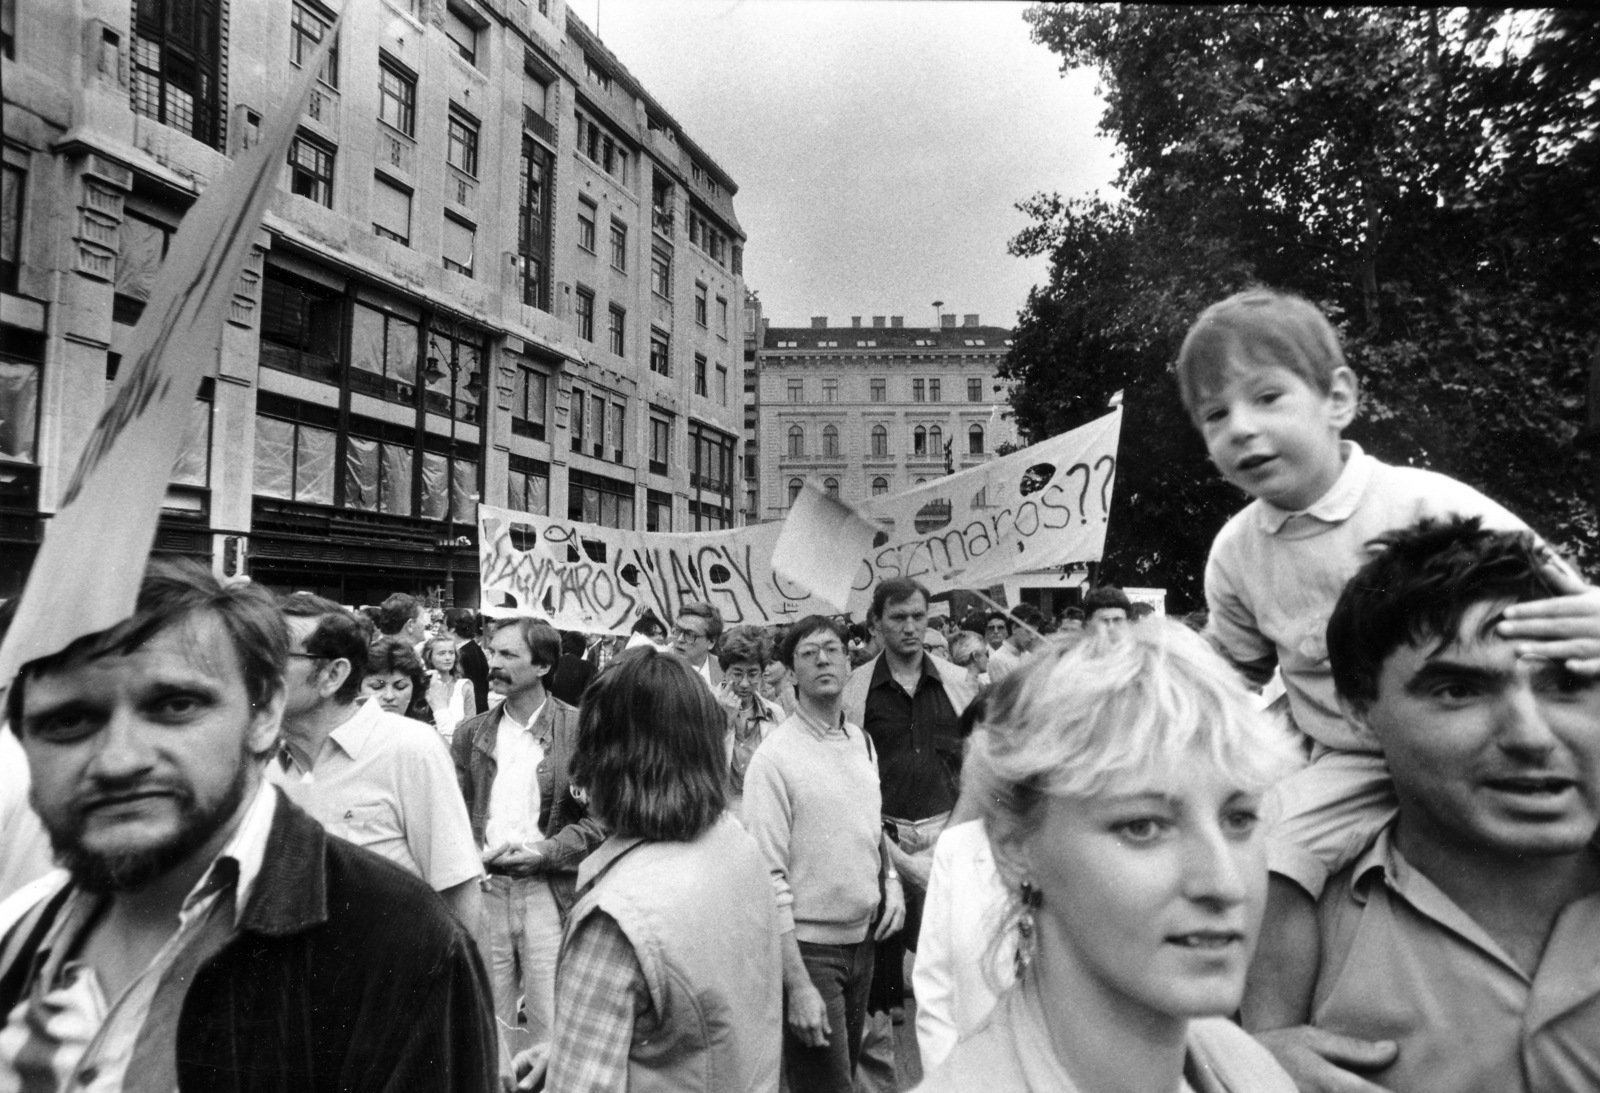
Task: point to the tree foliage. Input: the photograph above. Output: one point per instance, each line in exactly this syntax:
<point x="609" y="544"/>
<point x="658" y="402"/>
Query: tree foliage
<point x="1431" y="179"/>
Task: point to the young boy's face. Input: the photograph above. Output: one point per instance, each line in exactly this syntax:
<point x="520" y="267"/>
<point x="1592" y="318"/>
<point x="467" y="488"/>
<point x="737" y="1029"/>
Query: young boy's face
<point x="1274" y="435"/>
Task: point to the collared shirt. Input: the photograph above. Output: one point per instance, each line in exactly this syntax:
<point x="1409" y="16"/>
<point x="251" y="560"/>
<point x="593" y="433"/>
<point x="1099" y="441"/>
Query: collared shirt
<point x="917" y="739"/>
<point x="65" y="1033"/>
<point x="1273" y="576"/>
<point x="514" y="797"/>
<point x="1403" y="962"/>
<point x="387" y="783"/>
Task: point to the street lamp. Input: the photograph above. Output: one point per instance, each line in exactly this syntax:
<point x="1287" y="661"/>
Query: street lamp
<point x="439" y="360"/>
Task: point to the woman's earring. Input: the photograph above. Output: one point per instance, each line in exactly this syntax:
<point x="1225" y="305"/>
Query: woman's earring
<point x="1031" y="899"/>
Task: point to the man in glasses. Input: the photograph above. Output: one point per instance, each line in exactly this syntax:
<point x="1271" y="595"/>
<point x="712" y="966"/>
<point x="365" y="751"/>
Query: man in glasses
<point x="694" y="635"/>
<point x="812" y="804"/>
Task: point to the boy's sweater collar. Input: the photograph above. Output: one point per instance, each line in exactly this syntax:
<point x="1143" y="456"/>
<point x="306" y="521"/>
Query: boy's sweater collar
<point x="1335" y="506"/>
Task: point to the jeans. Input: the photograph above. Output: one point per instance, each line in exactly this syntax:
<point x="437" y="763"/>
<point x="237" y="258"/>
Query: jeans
<point x="843" y="975"/>
<point x="524" y="931"/>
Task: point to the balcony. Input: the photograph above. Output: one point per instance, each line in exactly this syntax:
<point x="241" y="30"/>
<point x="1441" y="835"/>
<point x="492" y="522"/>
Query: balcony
<point x="299" y="362"/>
<point x="272" y="516"/>
<point x="538" y="125"/>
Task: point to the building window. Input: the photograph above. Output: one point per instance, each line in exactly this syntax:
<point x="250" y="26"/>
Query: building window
<point x="795" y="485"/>
<point x="461" y="148"/>
<point x="459" y="239"/>
<point x="935" y="440"/>
<point x="880" y="440"/>
<point x="448" y="486"/>
<point x="657" y="511"/>
<point x="830" y="390"/>
<point x="301" y="327"/>
<point x="592" y="499"/>
<point x="880" y="486"/>
<point x="738" y="260"/>
<point x="975" y="440"/>
<point x="722" y="384"/>
<point x="391" y="210"/>
<point x="797" y="440"/>
<point x="454" y="393"/>
<point x="830" y="440"/>
<point x="722" y="317"/>
<point x="533" y="225"/>
<point x="599" y="75"/>
<point x="602" y="149"/>
<point x="585" y="314"/>
<point x="295" y="462"/>
<point x="619" y="326"/>
<point x="749" y="459"/>
<point x="311" y="169"/>
<point x="383" y="355"/>
<point x="974" y="389"/>
<point x="916" y="391"/>
<point x="661" y="273"/>
<point x="13" y="181"/>
<point x="933" y="390"/>
<point x="176" y="47"/>
<point x="880" y="390"/>
<point x="919" y="441"/>
<point x="619" y="430"/>
<point x="700" y="303"/>
<point x="830" y="486"/>
<point x="797" y="390"/>
<point x="660" y="444"/>
<point x="307" y="25"/>
<point x="528" y="485"/>
<point x="462" y="34"/>
<point x="397" y="96"/>
<point x="619" y="246"/>
<point x="577" y="403"/>
<point x="586" y="218"/>
<point x="529" y="403"/>
<point x="699" y="374"/>
<point x="660" y="353"/>
<point x="141" y="248"/>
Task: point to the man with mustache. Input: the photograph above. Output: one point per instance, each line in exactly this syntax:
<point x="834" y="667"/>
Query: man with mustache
<point x="1458" y="951"/>
<point x="207" y="933"/>
<point x="512" y="766"/>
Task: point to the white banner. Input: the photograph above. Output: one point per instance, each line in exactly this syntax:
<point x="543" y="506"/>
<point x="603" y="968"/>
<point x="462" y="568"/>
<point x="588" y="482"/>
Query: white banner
<point x="1045" y="505"/>
<point x="88" y="570"/>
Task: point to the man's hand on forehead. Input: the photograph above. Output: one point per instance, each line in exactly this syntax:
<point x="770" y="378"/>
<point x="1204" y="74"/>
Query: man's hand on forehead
<point x="1565" y="627"/>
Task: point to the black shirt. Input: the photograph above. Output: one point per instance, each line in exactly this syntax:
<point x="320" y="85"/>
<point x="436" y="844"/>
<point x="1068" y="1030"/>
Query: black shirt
<point x="919" y="747"/>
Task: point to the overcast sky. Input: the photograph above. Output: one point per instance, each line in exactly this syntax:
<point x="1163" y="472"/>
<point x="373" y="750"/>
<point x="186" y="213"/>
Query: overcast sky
<point x="879" y="147"/>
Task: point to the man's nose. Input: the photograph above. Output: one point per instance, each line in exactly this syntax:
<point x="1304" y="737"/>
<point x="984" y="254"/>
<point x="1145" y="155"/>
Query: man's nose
<point x="123" y="752"/>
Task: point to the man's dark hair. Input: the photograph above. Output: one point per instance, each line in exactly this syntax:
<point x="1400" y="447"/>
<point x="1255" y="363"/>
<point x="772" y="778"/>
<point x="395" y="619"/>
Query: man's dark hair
<point x="649" y="750"/>
<point x="573" y="643"/>
<point x="893" y="591"/>
<point x="1029" y="614"/>
<point x="650" y="626"/>
<point x="1418" y="588"/>
<point x="798" y="632"/>
<point x="395" y="612"/>
<point x="544" y="643"/>
<point x="993" y="616"/>
<point x="1103" y="598"/>
<point x="699" y="609"/>
<point x="1070" y="614"/>
<point x="462" y="622"/>
<point x="338" y="636"/>
<point x="172" y="592"/>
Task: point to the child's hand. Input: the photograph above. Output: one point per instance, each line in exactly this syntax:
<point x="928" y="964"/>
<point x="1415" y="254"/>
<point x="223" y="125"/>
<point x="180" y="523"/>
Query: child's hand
<point x="1565" y="627"/>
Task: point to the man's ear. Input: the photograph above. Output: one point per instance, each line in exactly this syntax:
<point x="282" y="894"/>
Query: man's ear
<point x="334" y="673"/>
<point x="1344" y="395"/>
<point x="266" y="722"/>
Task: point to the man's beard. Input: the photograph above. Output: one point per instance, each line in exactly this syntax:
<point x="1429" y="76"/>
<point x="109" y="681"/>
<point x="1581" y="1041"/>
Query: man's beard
<point x="130" y="870"/>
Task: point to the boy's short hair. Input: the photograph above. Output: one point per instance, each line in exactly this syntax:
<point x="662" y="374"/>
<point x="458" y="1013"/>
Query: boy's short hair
<point x="1103" y="598"/>
<point x="1418" y="589"/>
<point x="744" y="645"/>
<point x="1263" y="328"/>
<point x="799" y="631"/>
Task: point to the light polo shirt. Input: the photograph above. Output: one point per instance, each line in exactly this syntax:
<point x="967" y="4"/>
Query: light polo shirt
<point x="514" y="795"/>
<point x="1274" y="576"/>
<point x="1403" y="962"/>
<point x="77" y="1036"/>
<point x="388" y="783"/>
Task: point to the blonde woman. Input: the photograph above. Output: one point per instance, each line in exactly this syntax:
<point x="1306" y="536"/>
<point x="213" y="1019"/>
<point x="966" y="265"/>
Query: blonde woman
<point x="1120" y="785"/>
<point x="449" y="694"/>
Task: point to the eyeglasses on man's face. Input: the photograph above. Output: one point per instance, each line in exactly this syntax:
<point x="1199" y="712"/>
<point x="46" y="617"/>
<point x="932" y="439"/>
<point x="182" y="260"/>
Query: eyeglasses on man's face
<point x="833" y="650"/>
<point x="683" y="634"/>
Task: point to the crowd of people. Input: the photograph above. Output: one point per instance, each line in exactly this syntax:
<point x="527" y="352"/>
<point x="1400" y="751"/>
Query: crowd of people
<point x="275" y="843"/>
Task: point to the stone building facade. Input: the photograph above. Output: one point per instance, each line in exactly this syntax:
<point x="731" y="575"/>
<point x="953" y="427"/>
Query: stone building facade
<point x="496" y="268"/>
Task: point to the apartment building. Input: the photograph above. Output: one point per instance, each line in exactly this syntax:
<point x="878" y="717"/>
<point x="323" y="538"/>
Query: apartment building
<point x="865" y="410"/>
<point x="495" y="268"/>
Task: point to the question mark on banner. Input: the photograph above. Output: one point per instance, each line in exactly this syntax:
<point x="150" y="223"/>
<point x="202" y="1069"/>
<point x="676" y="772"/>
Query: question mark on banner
<point x="1088" y="477"/>
<point x="1111" y="469"/>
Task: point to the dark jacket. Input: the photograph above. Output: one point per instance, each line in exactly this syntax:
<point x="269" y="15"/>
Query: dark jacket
<point x="347" y="975"/>
<point x="475" y="666"/>
<point x="571" y="677"/>
<point x="572" y="834"/>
